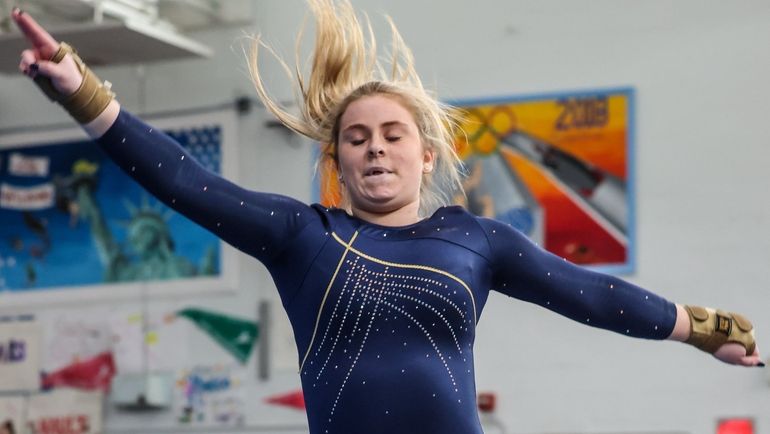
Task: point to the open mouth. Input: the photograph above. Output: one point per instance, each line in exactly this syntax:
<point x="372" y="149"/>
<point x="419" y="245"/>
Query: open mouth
<point x="375" y="171"/>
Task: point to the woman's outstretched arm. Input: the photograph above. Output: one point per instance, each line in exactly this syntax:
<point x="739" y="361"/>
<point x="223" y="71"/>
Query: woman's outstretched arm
<point x="527" y="272"/>
<point x="257" y="223"/>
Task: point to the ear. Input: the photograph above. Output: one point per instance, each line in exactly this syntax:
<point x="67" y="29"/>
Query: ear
<point x="428" y="159"/>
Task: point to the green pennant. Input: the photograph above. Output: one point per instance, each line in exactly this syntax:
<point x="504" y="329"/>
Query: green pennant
<point x="237" y="336"/>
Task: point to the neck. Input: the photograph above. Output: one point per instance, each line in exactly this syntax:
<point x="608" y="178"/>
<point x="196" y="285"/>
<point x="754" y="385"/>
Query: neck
<point x="403" y="216"/>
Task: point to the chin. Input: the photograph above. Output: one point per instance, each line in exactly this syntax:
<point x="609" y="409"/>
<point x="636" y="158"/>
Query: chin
<point x="378" y="198"/>
<point x="383" y="204"/>
<point x="379" y="205"/>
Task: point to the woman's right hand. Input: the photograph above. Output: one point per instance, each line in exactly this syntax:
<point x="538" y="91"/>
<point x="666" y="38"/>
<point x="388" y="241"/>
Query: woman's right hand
<point x="65" y="76"/>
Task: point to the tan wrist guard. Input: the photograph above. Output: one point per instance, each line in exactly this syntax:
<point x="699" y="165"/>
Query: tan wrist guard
<point x="710" y="329"/>
<point x="91" y="98"/>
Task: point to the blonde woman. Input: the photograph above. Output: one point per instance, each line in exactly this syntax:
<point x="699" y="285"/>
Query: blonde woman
<point x="383" y="293"/>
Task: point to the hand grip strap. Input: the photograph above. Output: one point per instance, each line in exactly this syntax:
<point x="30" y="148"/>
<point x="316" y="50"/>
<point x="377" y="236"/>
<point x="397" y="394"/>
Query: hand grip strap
<point x="89" y="100"/>
<point x="710" y="329"/>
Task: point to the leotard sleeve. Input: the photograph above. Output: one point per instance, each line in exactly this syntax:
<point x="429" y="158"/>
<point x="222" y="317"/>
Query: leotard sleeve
<point x="253" y="222"/>
<point x="524" y="271"/>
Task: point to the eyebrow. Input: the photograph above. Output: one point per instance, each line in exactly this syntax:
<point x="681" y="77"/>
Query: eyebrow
<point x="364" y="127"/>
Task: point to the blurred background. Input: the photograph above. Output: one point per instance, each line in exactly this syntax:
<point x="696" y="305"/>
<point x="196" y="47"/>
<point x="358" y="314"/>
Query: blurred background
<point x="698" y="72"/>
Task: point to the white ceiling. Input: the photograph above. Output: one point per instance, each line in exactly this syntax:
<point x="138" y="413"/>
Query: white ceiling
<point x="112" y="32"/>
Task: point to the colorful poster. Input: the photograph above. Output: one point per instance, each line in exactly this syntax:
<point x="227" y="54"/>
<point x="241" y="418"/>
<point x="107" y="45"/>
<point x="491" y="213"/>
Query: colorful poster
<point x="65" y="411"/>
<point x="71" y="219"/>
<point x="20" y="356"/>
<point x="557" y="167"/>
<point x="210" y="396"/>
<point x="12" y="409"/>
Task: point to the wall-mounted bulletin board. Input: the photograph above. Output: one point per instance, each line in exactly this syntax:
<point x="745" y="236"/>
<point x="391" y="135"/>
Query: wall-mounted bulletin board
<point x="73" y="223"/>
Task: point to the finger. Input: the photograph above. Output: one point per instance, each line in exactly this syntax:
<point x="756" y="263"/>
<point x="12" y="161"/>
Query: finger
<point x="48" y="69"/>
<point x="35" y="34"/>
<point x="750" y="361"/>
<point x="44" y="68"/>
<point x="27" y="59"/>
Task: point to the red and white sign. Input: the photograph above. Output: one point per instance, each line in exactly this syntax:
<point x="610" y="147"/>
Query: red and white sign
<point x="27" y="198"/>
<point x="65" y="411"/>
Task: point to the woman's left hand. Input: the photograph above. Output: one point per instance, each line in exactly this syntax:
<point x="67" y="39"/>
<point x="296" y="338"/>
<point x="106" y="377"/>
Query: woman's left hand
<point x="735" y="354"/>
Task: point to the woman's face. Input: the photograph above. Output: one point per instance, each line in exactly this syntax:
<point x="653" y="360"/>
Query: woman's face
<point x="380" y="154"/>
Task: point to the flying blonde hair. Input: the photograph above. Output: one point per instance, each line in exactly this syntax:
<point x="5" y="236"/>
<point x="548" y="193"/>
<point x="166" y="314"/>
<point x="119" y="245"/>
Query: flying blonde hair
<point x="345" y="68"/>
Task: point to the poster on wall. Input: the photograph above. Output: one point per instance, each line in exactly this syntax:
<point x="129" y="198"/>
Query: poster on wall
<point x="210" y="396"/>
<point x="73" y="221"/>
<point x="20" y="348"/>
<point x="558" y="167"/>
<point x="65" y="411"/>
<point x="12" y="410"/>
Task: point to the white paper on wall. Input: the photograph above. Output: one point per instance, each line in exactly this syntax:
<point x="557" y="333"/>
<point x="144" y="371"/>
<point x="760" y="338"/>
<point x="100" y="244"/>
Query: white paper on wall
<point x="165" y="342"/>
<point x="12" y="413"/>
<point x="20" y="356"/>
<point x="74" y="336"/>
<point x="65" y="411"/>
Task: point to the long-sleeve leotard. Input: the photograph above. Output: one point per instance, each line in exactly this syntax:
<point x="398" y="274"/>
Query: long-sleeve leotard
<point x="383" y="317"/>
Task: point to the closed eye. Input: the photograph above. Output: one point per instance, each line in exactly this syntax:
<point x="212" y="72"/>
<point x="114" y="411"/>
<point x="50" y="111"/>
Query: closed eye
<point x="357" y="142"/>
<point x="393" y="138"/>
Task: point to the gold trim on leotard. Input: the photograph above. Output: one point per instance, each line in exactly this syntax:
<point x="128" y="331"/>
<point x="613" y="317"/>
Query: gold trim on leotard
<point x="326" y="294"/>
<point x="349" y="248"/>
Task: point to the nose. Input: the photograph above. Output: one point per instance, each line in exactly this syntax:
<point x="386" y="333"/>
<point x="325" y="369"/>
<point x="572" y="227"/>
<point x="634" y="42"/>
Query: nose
<point x="376" y="148"/>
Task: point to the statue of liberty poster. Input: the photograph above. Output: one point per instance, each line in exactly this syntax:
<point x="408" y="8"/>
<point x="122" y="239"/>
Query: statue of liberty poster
<point x="70" y="218"/>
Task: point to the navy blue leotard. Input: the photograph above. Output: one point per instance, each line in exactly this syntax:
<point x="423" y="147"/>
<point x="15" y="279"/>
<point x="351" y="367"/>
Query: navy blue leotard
<point x="384" y="318"/>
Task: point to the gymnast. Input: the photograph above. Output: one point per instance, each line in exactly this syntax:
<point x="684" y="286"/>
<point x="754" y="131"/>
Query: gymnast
<point x="383" y="292"/>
